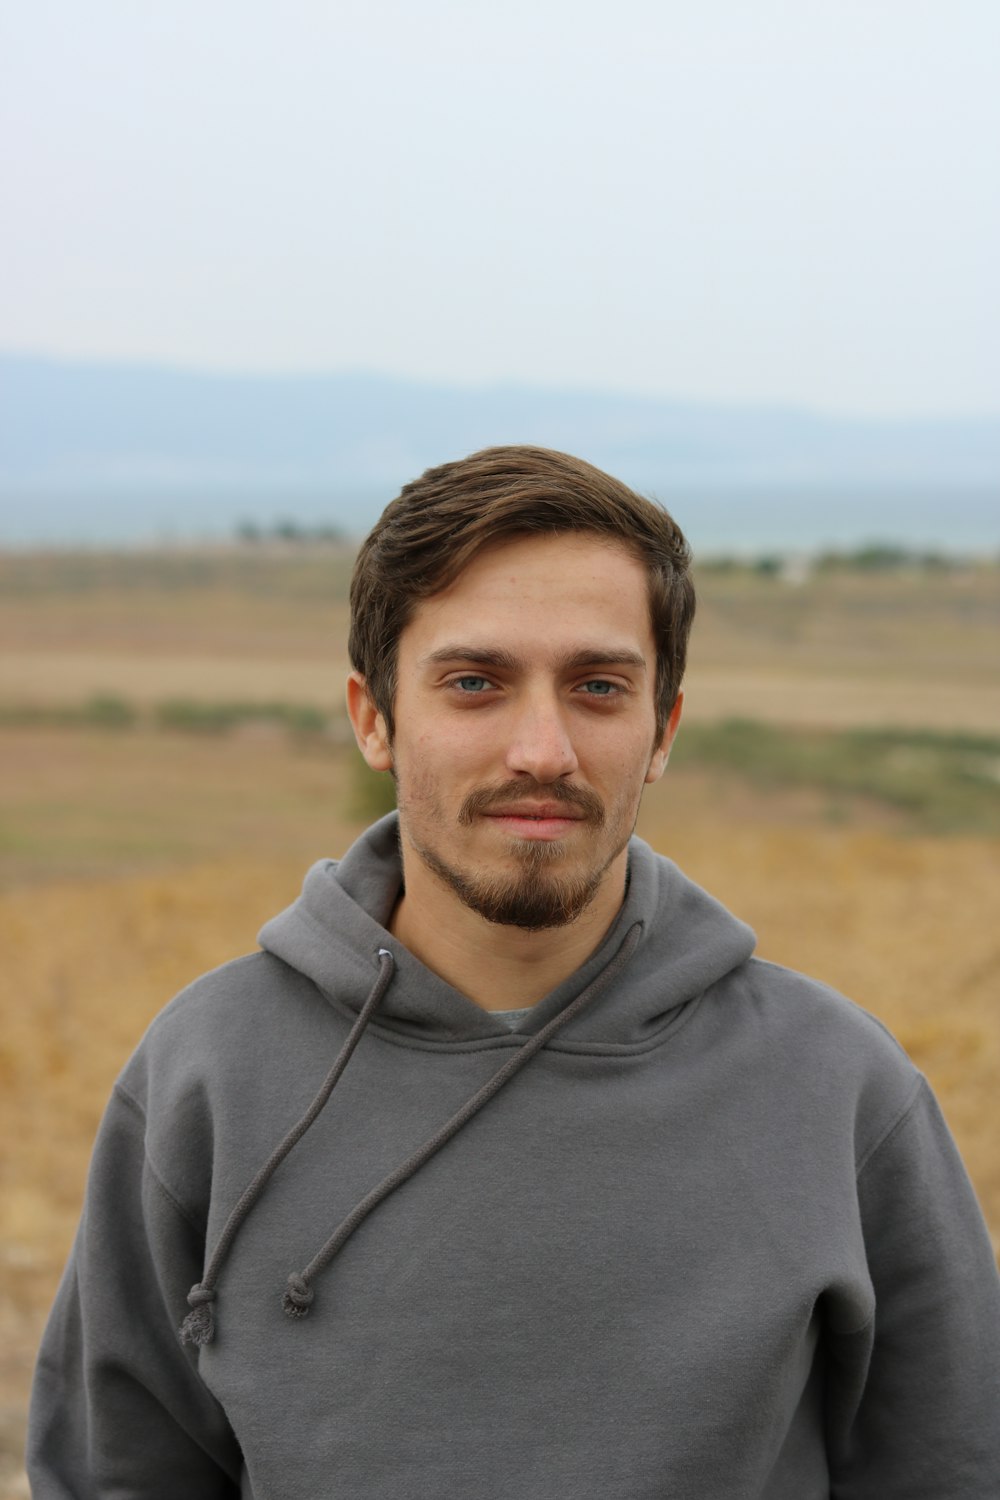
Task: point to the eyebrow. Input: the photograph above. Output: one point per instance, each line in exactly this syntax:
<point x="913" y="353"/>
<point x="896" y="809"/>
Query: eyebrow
<point x="506" y="661"/>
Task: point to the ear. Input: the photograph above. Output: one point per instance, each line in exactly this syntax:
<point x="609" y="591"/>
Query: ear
<point x="661" y="754"/>
<point x="368" y="724"/>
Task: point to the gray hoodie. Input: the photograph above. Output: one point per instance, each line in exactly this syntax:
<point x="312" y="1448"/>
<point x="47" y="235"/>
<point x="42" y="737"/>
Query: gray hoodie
<point x="711" y="1241"/>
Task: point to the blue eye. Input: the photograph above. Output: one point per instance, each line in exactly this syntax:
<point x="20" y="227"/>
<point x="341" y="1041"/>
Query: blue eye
<point x="600" y="689"/>
<point x="472" y="684"/>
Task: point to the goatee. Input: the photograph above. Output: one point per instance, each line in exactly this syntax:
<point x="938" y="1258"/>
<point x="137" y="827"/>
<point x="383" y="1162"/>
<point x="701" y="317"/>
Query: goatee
<point x="535" y="896"/>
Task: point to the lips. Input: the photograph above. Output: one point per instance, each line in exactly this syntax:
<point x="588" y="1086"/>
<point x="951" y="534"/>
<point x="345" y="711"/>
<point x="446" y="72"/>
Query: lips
<point x="544" y="824"/>
<point x="521" y="808"/>
<point x="541" y="813"/>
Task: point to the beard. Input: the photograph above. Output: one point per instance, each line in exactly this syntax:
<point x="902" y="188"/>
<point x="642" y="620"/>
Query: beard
<point x="534" y="895"/>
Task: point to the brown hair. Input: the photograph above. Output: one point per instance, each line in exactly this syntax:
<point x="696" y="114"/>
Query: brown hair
<point x="439" y="522"/>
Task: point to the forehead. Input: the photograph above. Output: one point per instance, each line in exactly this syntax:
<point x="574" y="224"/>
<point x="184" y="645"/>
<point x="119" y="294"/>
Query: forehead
<point x="541" y="588"/>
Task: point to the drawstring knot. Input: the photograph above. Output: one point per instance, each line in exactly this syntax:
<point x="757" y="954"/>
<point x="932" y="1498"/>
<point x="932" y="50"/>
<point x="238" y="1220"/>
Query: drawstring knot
<point x="199" y="1325"/>
<point x="298" y="1296"/>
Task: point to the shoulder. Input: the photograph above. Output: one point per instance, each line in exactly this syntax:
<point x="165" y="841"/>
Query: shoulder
<point x="798" y="1004"/>
<point x="233" y="1049"/>
<point x="220" y="1011"/>
<point x="828" y="1057"/>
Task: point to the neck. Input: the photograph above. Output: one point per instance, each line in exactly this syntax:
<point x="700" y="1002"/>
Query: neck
<point x="498" y="967"/>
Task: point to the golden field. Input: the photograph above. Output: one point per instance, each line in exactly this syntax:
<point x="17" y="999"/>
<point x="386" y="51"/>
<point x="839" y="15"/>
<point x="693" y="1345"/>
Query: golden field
<point x="132" y="859"/>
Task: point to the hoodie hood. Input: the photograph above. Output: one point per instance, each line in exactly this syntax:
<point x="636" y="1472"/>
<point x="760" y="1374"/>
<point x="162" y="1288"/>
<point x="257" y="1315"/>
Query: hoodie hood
<point x="669" y="943"/>
<point x="333" y="933"/>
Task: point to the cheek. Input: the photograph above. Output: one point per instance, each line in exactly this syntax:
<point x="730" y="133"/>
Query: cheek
<point x="423" y="775"/>
<point x="459" y="749"/>
<point x="633" y="759"/>
<point x="627" y="779"/>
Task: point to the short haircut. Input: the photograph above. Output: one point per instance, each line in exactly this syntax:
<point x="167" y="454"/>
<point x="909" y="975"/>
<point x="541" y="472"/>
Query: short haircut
<point x="439" y="522"/>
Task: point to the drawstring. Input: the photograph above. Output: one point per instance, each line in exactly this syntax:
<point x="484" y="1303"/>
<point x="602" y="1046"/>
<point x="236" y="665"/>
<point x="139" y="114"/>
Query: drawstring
<point x="298" y="1295"/>
<point x="199" y="1325"/>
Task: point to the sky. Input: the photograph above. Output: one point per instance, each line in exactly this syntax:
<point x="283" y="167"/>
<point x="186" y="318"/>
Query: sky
<point x="760" y="201"/>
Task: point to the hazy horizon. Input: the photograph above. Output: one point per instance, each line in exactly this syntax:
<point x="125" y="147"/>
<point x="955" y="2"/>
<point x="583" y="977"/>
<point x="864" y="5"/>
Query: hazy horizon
<point x="744" y="522"/>
<point x="105" y="452"/>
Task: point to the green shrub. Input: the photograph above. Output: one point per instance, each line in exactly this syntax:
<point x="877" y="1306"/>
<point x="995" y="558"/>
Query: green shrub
<point x="108" y="711"/>
<point x="370" y="794"/>
<point x="942" y="782"/>
<point x="189" y="716"/>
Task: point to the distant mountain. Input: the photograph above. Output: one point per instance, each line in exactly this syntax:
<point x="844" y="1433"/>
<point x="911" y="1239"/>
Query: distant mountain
<point x="131" y="449"/>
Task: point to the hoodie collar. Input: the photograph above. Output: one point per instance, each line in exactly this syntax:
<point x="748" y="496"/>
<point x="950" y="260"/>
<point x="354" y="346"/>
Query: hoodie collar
<point x="333" y="932"/>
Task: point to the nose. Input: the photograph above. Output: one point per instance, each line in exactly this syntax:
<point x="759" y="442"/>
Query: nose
<point x="540" y="745"/>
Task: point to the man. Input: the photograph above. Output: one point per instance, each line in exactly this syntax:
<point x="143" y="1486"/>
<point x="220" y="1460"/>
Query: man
<point x="505" y="1170"/>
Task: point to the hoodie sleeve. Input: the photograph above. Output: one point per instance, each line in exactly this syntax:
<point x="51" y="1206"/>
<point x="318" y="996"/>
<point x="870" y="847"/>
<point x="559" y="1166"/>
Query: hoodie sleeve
<point x="927" y="1426"/>
<point x="118" y="1407"/>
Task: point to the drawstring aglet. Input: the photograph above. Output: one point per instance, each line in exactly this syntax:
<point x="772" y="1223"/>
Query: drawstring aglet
<point x="297" y="1297"/>
<point x="199" y="1326"/>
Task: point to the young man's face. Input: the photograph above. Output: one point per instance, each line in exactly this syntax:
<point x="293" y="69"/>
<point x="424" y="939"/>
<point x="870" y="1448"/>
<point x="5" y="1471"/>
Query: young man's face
<point x="525" y="729"/>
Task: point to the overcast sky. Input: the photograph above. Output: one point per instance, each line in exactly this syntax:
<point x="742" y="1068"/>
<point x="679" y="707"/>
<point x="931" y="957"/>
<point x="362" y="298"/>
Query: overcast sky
<point x="750" y="200"/>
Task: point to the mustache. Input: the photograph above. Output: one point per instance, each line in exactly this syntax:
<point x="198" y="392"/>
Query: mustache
<point x="580" y="798"/>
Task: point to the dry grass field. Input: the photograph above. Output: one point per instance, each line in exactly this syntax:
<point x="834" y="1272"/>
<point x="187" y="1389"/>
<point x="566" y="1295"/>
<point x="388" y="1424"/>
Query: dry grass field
<point x="133" y="858"/>
<point x="841" y="648"/>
